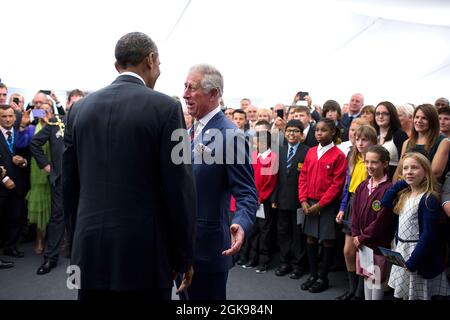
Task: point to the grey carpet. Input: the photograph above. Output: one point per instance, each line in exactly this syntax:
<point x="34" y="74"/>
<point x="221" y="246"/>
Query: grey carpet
<point x="22" y="282"/>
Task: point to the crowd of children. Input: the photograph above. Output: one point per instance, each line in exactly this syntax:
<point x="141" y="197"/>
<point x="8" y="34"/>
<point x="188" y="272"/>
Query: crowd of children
<point x="310" y="194"/>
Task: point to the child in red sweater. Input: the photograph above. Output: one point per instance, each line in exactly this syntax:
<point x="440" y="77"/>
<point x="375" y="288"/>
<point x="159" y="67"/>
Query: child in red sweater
<point x="321" y="182"/>
<point x="265" y="168"/>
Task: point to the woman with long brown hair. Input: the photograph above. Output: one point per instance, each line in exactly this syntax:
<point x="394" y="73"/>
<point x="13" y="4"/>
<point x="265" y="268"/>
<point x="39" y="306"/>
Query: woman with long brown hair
<point x="425" y="135"/>
<point x="390" y="133"/>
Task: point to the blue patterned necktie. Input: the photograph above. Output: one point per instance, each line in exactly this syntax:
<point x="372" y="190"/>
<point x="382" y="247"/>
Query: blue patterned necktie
<point x="9" y="140"/>
<point x="290" y="157"/>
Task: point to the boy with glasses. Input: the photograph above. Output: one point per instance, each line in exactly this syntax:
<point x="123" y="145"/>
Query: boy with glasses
<point x="290" y="236"/>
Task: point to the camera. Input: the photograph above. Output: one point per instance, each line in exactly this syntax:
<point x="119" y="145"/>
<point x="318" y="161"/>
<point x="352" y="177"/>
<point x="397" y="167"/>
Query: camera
<point x="280" y="113"/>
<point x="38" y="113"/>
<point x="301" y="95"/>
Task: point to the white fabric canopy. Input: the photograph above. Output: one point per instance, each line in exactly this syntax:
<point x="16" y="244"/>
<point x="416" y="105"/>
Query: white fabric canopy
<point x="266" y="50"/>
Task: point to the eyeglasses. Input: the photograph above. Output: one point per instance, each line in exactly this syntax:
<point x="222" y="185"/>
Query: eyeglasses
<point x="293" y="131"/>
<point x="440" y="105"/>
<point x="382" y="114"/>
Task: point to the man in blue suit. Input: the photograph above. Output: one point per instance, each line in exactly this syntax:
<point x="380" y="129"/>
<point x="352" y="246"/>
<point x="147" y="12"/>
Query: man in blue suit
<point x="222" y="168"/>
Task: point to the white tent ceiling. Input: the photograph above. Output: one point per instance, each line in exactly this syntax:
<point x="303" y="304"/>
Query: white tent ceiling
<point x="266" y="50"/>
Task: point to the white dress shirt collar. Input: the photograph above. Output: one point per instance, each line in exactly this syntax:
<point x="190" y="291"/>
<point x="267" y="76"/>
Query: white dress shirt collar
<point x="129" y="73"/>
<point x="205" y="119"/>
<point x="4" y="132"/>
<point x="306" y="130"/>
<point x="202" y="122"/>
<point x="265" y="154"/>
<point x="354" y="116"/>
<point x="321" y="150"/>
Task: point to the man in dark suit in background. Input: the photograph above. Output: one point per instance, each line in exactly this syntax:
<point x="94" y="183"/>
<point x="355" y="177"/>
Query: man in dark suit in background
<point x="53" y="133"/>
<point x="11" y="200"/>
<point x="291" y="240"/>
<point x="354" y="111"/>
<point x="132" y="208"/>
<point x="229" y="173"/>
<point x="8" y="184"/>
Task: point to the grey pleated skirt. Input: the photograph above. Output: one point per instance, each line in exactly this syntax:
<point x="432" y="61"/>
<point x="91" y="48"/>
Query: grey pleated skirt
<point x="322" y="226"/>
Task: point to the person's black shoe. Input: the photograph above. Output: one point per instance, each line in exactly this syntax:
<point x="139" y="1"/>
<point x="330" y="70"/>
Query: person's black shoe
<point x="308" y="283"/>
<point x="319" y="286"/>
<point x="6" y="264"/>
<point x="46" y="267"/>
<point x="283" y="270"/>
<point x="249" y="265"/>
<point x="345" y="296"/>
<point x="241" y="261"/>
<point x="296" y="273"/>
<point x="262" y="268"/>
<point x="13" y="252"/>
<point x="357" y="298"/>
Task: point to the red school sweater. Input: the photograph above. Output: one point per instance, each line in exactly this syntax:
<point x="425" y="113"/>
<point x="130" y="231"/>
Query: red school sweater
<point x="265" y="172"/>
<point x="322" y="179"/>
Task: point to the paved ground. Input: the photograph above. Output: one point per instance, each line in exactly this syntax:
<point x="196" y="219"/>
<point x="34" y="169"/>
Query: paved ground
<point x="21" y="282"/>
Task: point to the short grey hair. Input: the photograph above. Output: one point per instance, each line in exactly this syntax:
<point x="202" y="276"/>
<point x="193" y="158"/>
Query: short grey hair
<point x="132" y="48"/>
<point x="406" y="108"/>
<point x="212" y="78"/>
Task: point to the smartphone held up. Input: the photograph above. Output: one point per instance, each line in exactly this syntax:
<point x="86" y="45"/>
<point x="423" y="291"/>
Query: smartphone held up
<point x="280" y="113"/>
<point x="38" y="113"/>
<point x="300" y="96"/>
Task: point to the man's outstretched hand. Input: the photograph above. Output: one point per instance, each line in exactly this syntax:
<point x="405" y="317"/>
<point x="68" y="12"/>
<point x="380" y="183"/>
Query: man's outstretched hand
<point x="237" y="239"/>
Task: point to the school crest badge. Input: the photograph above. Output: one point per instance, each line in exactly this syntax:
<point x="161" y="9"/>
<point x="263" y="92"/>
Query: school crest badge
<point x="376" y="205"/>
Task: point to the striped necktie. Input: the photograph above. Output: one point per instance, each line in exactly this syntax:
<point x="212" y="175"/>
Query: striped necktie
<point x="290" y="157"/>
<point x="192" y="133"/>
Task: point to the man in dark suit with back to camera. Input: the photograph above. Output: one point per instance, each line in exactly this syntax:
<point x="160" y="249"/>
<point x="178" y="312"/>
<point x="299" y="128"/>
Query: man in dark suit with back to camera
<point x="222" y="168"/>
<point x="132" y="208"/>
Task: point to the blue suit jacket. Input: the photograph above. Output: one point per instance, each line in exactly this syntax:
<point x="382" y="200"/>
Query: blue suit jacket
<point x="215" y="183"/>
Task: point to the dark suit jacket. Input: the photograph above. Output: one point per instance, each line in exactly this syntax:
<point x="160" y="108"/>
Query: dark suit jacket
<point x="133" y="207"/>
<point x="286" y="193"/>
<point x="216" y="183"/>
<point x="310" y="139"/>
<point x="52" y="134"/>
<point x="17" y="174"/>
<point x="346" y="122"/>
<point x="316" y="116"/>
